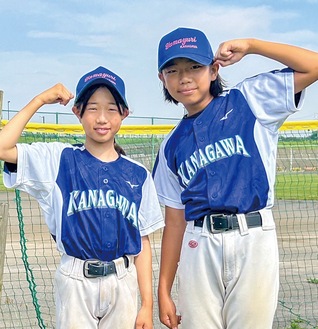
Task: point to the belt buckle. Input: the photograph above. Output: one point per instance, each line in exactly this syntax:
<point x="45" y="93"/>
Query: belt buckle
<point x="86" y="267"/>
<point x="218" y="221"/>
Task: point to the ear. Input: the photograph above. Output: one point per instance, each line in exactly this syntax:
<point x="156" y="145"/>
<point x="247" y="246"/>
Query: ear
<point x="77" y="112"/>
<point x="125" y="114"/>
<point x="161" y="77"/>
<point x="214" y="68"/>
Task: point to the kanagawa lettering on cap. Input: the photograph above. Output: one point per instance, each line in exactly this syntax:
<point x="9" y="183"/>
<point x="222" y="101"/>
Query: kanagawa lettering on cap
<point x="184" y="43"/>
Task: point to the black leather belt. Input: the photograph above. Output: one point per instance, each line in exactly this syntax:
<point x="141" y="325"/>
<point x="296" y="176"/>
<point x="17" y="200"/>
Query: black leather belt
<point x="94" y="268"/>
<point x="218" y="223"/>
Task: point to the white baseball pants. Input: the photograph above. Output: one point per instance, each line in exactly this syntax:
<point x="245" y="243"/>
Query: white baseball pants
<point x="229" y="280"/>
<point x="108" y="302"/>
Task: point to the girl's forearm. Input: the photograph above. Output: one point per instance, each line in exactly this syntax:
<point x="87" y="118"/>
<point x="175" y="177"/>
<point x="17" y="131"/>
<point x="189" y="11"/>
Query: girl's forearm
<point x="143" y="264"/>
<point x="11" y="132"/>
<point x="299" y="59"/>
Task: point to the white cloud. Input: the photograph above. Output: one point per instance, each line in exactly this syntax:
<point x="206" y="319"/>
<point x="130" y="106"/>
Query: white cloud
<point x="54" y="41"/>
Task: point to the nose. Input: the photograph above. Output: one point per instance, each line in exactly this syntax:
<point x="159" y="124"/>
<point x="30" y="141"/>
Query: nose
<point x="102" y="117"/>
<point x="184" y="77"/>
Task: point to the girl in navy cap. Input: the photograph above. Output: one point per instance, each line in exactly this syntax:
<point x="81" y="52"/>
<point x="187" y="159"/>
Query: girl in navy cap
<point x="99" y="205"/>
<point x="215" y="174"/>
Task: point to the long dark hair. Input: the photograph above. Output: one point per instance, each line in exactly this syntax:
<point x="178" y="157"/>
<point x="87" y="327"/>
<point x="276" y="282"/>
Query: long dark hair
<point x="118" y="148"/>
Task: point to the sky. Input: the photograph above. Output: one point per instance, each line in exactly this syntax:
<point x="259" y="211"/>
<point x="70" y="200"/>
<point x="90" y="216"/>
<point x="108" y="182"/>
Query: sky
<point x="46" y="42"/>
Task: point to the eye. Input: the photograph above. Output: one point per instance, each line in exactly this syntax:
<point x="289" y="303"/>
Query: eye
<point x="170" y="70"/>
<point x="113" y="109"/>
<point x="91" y="108"/>
<point x="196" y="66"/>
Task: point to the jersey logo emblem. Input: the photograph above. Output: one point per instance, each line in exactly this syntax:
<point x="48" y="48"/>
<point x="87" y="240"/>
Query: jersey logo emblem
<point x="226" y="115"/>
<point x="193" y="244"/>
<point x="130" y="184"/>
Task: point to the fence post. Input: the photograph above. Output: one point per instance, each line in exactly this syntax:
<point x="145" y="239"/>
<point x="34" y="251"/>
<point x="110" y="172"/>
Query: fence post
<point x="1" y="103"/>
<point x="152" y="146"/>
<point x="291" y="159"/>
<point x="3" y="237"/>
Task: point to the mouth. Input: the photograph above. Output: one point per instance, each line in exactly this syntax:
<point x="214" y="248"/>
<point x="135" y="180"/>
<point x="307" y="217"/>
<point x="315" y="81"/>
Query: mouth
<point x="102" y="130"/>
<point x="187" y="91"/>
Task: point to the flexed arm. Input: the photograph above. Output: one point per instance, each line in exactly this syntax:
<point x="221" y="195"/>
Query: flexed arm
<point x="304" y="62"/>
<point x="11" y="133"/>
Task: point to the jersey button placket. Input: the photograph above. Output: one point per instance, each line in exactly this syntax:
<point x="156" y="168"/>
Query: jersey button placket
<point x="105" y="179"/>
<point x="199" y="132"/>
<point x="105" y="213"/>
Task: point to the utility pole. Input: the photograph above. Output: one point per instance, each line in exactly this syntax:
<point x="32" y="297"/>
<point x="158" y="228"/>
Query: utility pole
<point x="4" y="213"/>
<point x="8" y="110"/>
<point x="1" y="102"/>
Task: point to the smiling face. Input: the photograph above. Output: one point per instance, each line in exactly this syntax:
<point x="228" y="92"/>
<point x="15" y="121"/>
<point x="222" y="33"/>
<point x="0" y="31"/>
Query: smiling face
<point x="101" y="120"/>
<point x="189" y="83"/>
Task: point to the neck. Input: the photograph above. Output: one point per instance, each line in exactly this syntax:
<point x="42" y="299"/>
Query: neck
<point x="103" y="152"/>
<point x="196" y="108"/>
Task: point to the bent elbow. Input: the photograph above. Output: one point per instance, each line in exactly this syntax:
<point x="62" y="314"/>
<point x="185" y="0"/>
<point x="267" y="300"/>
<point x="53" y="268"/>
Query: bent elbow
<point x="8" y="155"/>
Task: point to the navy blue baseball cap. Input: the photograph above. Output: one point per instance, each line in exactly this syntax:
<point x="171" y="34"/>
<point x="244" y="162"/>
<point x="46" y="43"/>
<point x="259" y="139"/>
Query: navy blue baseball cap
<point x="101" y="75"/>
<point x="184" y="43"/>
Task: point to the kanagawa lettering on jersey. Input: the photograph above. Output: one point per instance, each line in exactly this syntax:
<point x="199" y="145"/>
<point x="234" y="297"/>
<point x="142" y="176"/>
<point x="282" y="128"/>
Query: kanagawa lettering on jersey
<point x="86" y="200"/>
<point x="212" y="152"/>
<point x="90" y="202"/>
<point x="228" y="174"/>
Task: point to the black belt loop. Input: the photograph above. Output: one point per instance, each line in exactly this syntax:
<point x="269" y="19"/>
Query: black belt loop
<point x="94" y="268"/>
<point x="218" y="223"/>
<point x="126" y="261"/>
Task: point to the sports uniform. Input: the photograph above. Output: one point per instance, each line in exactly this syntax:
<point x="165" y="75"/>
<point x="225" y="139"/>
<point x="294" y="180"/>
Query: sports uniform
<point x="222" y="161"/>
<point x="97" y="211"/>
<point x="94" y="210"/>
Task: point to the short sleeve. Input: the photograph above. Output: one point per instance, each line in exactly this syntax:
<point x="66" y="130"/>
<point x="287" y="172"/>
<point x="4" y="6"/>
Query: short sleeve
<point x="166" y="182"/>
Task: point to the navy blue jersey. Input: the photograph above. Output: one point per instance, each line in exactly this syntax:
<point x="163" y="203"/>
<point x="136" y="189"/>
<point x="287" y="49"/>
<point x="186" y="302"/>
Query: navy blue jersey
<point x="222" y="160"/>
<point x="93" y="209"/>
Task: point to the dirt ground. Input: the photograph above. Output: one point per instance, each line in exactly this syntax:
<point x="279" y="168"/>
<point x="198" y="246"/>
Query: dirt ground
<point x="298" y="241"/>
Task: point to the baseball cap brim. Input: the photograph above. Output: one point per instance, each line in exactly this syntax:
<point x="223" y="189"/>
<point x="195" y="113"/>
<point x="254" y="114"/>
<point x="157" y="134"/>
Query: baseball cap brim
<point x="194" y="57"/>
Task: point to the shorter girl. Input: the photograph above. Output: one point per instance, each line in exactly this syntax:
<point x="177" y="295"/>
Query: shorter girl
<point x="99" y="205"/>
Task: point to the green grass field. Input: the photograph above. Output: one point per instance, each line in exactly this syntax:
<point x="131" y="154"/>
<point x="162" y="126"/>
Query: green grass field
<point x="289" y="186"/>
<point x="297" y="186"/>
